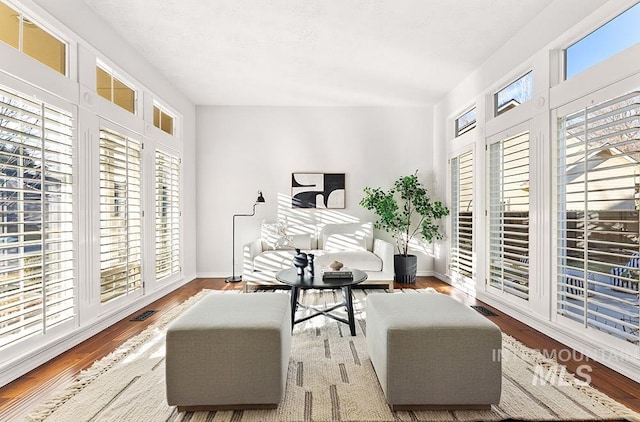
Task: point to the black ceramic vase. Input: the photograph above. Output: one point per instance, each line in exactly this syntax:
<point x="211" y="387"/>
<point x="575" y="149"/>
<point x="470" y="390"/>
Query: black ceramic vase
<point x="300" y="261"/>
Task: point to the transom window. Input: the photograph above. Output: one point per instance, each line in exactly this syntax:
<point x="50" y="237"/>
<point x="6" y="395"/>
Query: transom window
<point x="162" y="120"/>
<point x="25" y="35"/>
<point x="611" y="38"/>
<point x="466" y="122"/>
<point x="514" y="94"/>
<point x="115" y="90"/>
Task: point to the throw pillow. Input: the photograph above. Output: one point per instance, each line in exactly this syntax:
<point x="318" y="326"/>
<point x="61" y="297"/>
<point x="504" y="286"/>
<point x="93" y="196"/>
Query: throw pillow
<point x="295" y="241"/>
<point x="345" y="242"/>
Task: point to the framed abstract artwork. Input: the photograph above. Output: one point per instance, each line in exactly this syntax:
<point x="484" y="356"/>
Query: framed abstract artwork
<point x="317" y="190"/>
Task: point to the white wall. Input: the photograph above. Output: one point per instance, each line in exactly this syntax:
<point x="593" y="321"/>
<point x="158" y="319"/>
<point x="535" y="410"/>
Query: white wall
<point x="243" y="149"/>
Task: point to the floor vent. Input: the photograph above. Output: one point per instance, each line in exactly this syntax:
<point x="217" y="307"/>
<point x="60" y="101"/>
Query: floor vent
<point x="144" y="315"/>
<point x="484" y="311"/>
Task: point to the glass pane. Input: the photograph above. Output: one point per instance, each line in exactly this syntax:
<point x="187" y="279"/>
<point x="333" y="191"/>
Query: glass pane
<point x="167" y="215"/>
<point x="514" y="94"/>
<point x="43" y="46"/>
<point x="9" y="25"/>
<point x="124" y="96"/>
<point x="120" y="217"/>
<point x="166" y="123"/>
<point x="103" y="83"/>
<point x="156" y="116"/>
<point x="611" y="38"/>
<point x="466" y="122"/>
<point x="509" y="215"/>
<point x="462" y="259"/>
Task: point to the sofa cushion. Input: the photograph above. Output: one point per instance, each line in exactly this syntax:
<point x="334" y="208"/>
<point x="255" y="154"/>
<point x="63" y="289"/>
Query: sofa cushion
<point x="361" y="260"/>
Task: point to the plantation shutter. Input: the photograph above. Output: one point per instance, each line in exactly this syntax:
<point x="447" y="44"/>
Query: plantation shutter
<point x="598" y="201"/>
<point x="167" y="214"/>
<point x="462" y="215"/>
<point x="120" y="216"/>
<point x="36" y="217"/>
<point x="509" y="215"/>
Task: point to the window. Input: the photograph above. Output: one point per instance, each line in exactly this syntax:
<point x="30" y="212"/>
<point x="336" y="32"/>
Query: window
<point x="462" y="260"/>
<point x="598" y="202"/>
<point x="36" y="217"/>
<point x="618" y="34"/>
<point x="509" y="215"/>
<point x="514" y="94"/>
<point x="466" y="122"/>
<point x="113" y="89"/>
<point x="167" y="214"/>
<point x="162" y="120"/>
<point x="27" y="36"/>
<point x="120" y="216"/>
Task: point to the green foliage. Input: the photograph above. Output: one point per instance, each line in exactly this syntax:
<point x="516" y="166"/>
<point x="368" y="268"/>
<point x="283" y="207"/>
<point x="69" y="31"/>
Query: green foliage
<point x="405" y="211"/>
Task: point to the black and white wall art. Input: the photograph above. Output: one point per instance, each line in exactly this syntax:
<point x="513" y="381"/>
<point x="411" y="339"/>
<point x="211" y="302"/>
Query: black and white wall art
<point x="317" y="190"/>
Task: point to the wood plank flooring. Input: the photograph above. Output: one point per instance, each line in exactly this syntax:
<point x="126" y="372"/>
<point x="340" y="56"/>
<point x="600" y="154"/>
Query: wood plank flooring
<point x="19" y="397"/>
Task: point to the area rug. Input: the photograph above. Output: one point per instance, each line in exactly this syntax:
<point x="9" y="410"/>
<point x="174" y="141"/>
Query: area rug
<point x="330" y="378"/>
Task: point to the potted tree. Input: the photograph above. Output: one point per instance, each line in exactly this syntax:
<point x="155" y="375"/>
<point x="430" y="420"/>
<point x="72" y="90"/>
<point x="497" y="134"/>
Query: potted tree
<point x="405" y="211"/>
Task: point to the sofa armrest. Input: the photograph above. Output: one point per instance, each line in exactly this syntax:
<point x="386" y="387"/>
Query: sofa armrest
<point x="384" y="250"/>
<point x="249" y="252"/>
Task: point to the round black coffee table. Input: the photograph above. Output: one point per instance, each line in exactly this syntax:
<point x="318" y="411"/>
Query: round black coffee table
<point x="297" y="282"/>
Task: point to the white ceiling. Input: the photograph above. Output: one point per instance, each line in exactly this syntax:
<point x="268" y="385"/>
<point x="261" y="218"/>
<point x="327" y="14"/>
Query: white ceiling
<point x="316" y="52"/>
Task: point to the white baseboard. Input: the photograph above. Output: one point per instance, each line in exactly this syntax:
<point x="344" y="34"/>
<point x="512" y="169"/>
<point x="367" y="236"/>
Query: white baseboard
<point x="22" y="364"/>
<point x="214" y="275"/>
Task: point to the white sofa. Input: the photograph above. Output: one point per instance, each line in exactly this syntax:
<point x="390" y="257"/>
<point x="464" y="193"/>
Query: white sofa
<point x="353" y="244"/>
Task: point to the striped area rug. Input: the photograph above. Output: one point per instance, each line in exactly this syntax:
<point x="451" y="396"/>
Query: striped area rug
<point x="330" y="378"/>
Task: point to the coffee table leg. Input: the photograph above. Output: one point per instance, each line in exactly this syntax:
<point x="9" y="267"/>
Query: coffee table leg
<point x="348" y="301"/>
<point x="294" y="304"/>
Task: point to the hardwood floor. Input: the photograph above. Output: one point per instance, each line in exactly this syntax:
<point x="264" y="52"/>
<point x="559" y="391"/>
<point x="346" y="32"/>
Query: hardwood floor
<point x="20" y="396"/>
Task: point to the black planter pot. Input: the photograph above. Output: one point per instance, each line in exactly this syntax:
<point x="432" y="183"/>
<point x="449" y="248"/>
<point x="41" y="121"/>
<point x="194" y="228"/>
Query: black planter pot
<point x="405" y="268"/>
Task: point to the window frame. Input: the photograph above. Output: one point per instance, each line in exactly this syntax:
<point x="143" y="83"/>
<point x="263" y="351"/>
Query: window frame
<point x="459" y="131"/>
<point x="173" y="212"/>
<point x="123" y="212"/>
<point x="64" y="217"/>
<point x="589" y="277"/>
<point x="116" y="76"/>
<point x="461" y="280"/>
<point x="45" y="28"/>
<point x="163" y="110"/>
<point x="520" y="268"/>
<point x="564" y="66"/>
<point x="496" y="111"/>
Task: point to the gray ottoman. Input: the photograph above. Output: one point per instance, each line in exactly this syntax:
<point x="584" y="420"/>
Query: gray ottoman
<point x="432" y="352"/>
<point x="229" y="351"/>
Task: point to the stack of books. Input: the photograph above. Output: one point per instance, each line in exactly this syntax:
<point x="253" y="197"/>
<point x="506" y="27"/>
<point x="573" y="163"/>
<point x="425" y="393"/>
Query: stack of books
<point x="332" y="275"/>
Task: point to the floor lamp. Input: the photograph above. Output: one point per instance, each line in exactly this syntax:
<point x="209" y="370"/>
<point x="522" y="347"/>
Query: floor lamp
<point x="234" y="278"/>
